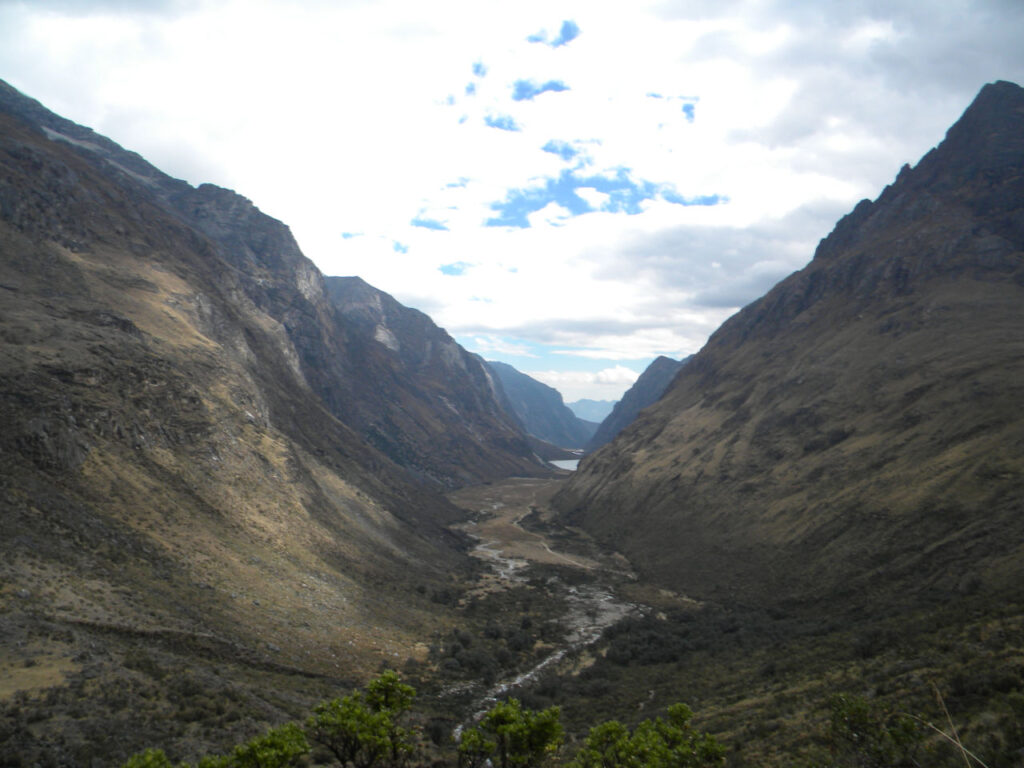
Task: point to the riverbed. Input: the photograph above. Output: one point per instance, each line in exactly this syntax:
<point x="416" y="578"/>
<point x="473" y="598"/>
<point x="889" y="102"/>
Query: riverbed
<point x="510" y="549"/>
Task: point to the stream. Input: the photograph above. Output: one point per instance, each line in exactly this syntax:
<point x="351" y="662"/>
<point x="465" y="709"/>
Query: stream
<point x="509" y="550"/>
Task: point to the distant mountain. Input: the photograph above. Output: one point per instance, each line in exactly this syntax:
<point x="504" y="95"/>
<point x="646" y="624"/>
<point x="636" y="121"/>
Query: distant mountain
<point x="594" y="411"/>
<point x="854" y="436"/>
<point x="540" y="408"/>
<point x="214" y="466"/>
<point x="645" y="391"/>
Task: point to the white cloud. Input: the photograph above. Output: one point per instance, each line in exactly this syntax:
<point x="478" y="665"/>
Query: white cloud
<point x="609" y="383"/>
<point x="354" y="117"/>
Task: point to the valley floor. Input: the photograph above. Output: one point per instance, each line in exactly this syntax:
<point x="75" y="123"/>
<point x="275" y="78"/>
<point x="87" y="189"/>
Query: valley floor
<point x="551" y="618"/>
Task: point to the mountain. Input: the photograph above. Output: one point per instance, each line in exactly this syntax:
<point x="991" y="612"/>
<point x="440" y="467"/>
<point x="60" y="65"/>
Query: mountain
<point x="540" y="409"/>
<point x="418" y="396"/>
<point x="856" y="434"/>
<point x="219" y="473"/>
<point x="594" y="411"/>
<point x="645" y="391"/>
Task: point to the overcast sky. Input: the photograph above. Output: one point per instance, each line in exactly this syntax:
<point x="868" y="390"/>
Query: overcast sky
<point x="570" y="187"/>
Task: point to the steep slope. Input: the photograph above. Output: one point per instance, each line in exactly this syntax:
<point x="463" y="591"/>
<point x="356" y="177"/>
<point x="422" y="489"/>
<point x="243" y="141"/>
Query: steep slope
<point x="427" y="403"/>
<point x="178" y="499"/>
<point x="540" y="408"/>
<point x="645" y="391"/>
<point x="856" y="432"/>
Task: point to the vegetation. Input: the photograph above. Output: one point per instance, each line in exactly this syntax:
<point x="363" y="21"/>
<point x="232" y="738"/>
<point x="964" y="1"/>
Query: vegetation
<point x="362" y="731"/>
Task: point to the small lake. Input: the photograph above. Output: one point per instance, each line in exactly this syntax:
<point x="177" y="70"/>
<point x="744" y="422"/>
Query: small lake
<point x="569" y="464"/>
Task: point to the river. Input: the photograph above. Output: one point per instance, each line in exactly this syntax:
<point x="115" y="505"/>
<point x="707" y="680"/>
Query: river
<point x="509" y="549"/>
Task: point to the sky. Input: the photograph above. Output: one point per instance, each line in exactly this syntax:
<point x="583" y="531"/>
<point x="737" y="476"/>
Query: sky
<point x="573" y="188"/>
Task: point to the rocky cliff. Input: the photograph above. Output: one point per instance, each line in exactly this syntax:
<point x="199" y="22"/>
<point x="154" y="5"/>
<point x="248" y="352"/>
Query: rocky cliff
<point x="856" y="433"/>
<point x="540" y="409"/>
<point x="645" y="391"/>
<point x="418" y="396"/>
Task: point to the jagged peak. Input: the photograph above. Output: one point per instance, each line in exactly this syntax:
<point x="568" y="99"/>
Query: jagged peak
<point x="988" y="140"/>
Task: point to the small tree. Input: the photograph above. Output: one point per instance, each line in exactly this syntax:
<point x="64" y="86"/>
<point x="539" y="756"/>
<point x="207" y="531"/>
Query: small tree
<point x="660" y="743"/>
<point x="277" y="748"/>
<point x="512" y="737"/>
<point x="362" y="730"/>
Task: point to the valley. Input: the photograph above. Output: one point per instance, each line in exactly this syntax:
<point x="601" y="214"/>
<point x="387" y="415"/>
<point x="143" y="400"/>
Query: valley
<point x="233" y="488"/>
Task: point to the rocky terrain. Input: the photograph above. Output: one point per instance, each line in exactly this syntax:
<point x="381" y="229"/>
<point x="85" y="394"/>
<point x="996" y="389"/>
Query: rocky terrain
<point x="645" y="391"/>
<point x="855" y="435"/>
<point x="540" y="409"/>
<point x="188" y="470"/>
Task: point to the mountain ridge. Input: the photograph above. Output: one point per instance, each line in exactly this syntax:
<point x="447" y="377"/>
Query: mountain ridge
<point x="860" y="410"/>
<point x="540" y="408"/>
<point x="645" y="391"/>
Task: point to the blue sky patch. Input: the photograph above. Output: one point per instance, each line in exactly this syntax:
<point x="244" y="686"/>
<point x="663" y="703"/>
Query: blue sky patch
<point x="426" y="223"/>
<point x="350" y="235"/>
<point x="454" y="269"/>
<point x="479" y="69"/>
<point x="688" y="111"/>
<point x="526" y="90"/>
<point x="398" y="247"/>
<point x="471" y="89"/>
<point x="563" y="149"/>
<point x="570" y="31"/>
<point x="671" y="196"/>
<point x="622" y="194"/>
<point x="502" y="122"/>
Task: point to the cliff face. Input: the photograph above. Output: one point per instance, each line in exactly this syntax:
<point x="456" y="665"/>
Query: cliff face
<point x="645" y="391"/>
<point x="418" y="396"/>
<point x="540" y="409"/>
<point x="857" y="431"/>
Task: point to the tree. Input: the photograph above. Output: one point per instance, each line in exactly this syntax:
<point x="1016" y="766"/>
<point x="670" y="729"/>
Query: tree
<point x="660" y="743"/>
<point x="277" y="748"/>
<point x="362" y="730"/>
<point x="512" y="737"/>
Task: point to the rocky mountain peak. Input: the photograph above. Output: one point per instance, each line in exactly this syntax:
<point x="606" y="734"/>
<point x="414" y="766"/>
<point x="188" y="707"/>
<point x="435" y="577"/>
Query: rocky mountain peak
<point x="985" y="147"/>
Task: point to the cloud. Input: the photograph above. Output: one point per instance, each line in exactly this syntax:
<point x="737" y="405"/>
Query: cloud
<point x="720" y="267"/>
<point x="526" y="90"/>
<point x="611" y="383"/>
<point x="804" y="109"/>
<point x="502" y="122"/>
